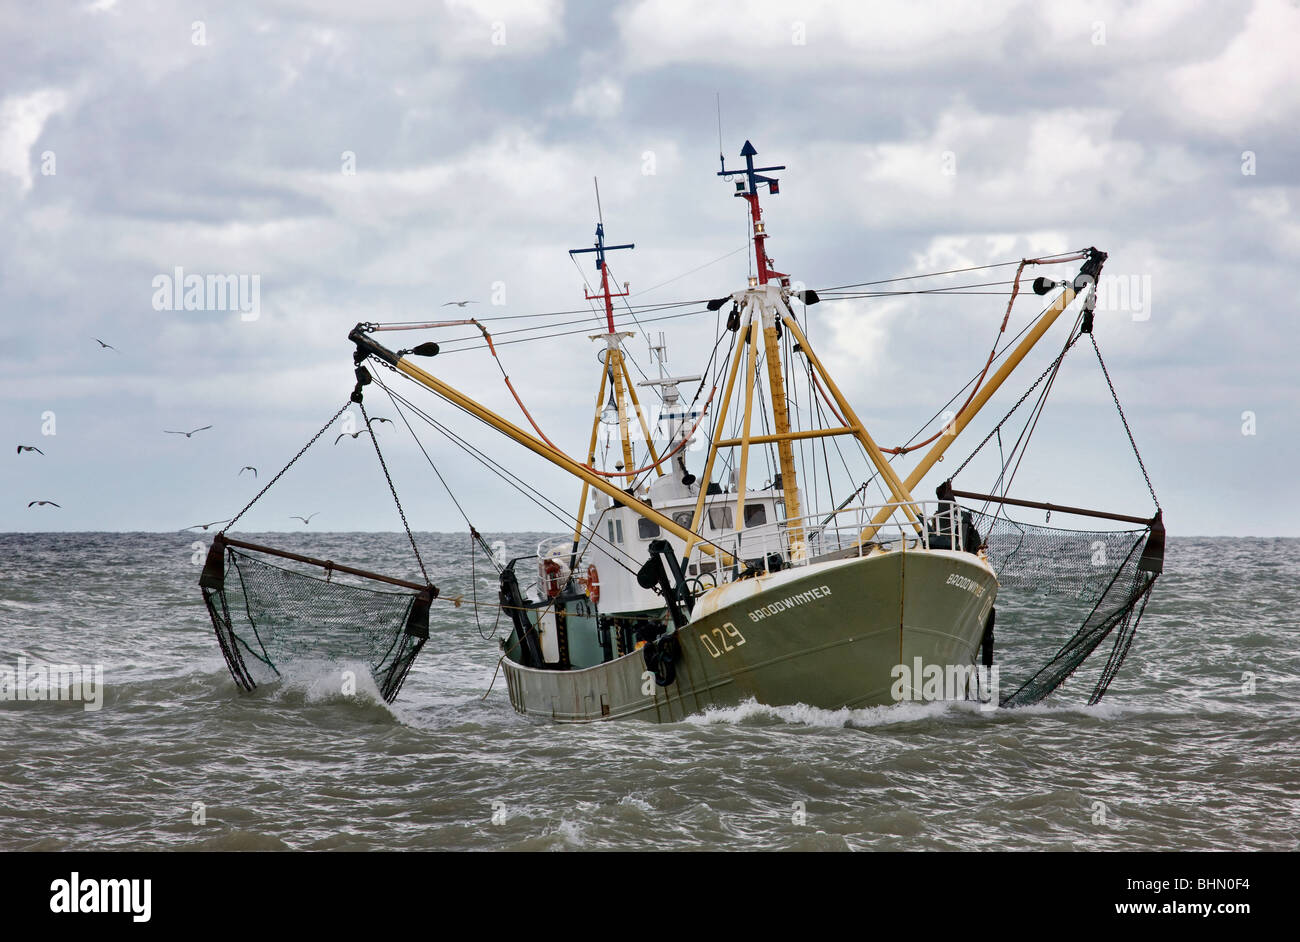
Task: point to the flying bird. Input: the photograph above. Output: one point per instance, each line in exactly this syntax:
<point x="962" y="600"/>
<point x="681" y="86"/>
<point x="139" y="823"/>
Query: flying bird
<point x="248" y="467"/>
<point x="42" y="503"/>
<point x="459" y="303"/>
<point x="377" y="418"/>
<point x="364" y="431"/>
<point x="23" y="448"/>
<point x="305" y="520"/>
<point x="203" y="526"/>
<point x="105" y="346"/>
<point x="186" y="434"/>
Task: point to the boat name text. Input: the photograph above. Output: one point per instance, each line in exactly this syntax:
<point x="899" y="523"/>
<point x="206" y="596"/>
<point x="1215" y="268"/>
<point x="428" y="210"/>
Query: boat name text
<point x="970" y="585"/>
<point x="790" y="601"/>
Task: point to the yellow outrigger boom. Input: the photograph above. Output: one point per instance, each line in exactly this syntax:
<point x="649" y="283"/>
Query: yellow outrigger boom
<point x="368" y="347"/>
<point x="1040" y="327"/>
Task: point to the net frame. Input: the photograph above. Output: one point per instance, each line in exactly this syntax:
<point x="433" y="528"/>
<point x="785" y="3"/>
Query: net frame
<point x="388" y="649"/>
<point x="1113" y="605"/>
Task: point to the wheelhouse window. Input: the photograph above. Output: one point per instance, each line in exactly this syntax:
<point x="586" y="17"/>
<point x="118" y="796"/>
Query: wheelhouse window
<point x="683" y="518"/>
<point x="647" y="529"/>
<point x="720" y="518"/>
<point x="755" y="515"/>
<point x="616" y="531"/>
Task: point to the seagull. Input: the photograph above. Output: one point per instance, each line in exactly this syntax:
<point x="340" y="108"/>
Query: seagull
<point x="23" y="448"/>
<point x="364" y="431"/>
<point x="106" y="346"/>
<point x="248" y="467"/>
<point x="377" y="418"/>
<point x="186" y="434"/>
<point x="305" y="520"/>
<point x="459" y="303"/>
<point x="42" y="503"/>
<point x="203" y="526"/>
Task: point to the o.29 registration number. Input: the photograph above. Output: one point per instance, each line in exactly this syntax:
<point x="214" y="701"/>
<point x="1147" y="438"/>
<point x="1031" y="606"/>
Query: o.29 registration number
<point x="720" y="640"/>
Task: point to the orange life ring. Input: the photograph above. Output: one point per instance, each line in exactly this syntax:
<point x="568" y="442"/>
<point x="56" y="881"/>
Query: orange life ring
<point x="593" y="584"/>
<point x="551" y="578"/>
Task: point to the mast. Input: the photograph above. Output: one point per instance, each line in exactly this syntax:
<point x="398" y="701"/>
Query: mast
<point x="764" y="307"/>
<point x="615" y="373"/>
<point x="613" y="338"/>
<point x="748" y="190"/>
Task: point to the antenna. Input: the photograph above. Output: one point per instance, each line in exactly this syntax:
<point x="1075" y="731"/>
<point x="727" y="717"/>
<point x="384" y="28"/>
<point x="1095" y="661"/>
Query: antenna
<point x="721" y="160"/>
<point x="600" y="215"/>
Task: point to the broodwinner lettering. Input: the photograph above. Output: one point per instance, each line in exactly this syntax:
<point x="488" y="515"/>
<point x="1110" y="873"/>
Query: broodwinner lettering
<point x="790" y="601"/>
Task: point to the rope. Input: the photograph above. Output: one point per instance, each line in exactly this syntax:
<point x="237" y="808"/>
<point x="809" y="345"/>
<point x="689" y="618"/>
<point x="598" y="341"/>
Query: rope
<point x="324" y="428"/>
<point x="951" y="271"/>
<point x="542" y="435"/>
<point x="416" y="325"/>
<point x="473" y="583"/>
<point x="535" y="496"/>
<point x="1051" y="367"/>
<point x="474" y="534"/>
<point x="720" y="258"/>
<point x="686" y="440"/>
<point x="496" y="468"/>
<point x="951" y="289"/>
<point x="1122" y="418"/>
<point x="402" y="513"/>
<point x="1015" y="290"/>
<point x="1031" y="424"/>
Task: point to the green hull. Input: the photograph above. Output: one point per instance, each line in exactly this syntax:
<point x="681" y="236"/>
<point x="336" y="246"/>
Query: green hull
<point x="828" y="635"/>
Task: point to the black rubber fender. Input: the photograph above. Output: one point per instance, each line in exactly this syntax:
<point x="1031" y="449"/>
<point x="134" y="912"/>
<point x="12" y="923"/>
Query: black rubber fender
<point x="661" y="657"/>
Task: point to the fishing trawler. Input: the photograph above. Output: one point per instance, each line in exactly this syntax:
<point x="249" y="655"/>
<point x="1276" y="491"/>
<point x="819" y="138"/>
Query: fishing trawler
<point x="678" y="592"/>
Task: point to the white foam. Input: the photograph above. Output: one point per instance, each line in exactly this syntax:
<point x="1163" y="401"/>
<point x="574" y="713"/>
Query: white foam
<point x="322" y="682"/>
<point x="1106" y="710"/>
<point x="570" y="832"/>
<point x="803" y="715"/>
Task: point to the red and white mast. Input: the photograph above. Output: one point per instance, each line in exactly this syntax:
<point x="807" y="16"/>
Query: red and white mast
<point x="748" y="189"/>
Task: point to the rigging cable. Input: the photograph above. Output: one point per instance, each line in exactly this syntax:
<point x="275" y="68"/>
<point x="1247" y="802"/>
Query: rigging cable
<point x="374" y="440"/>
<point x="1015" y="290"/>
<point x="509" y="477"/>
<point x="1122" y="418"/>
<point x="536" y="496"/>
<point x="1051" y="367"/>
<point x="1031" y="424"/>
<point x="951" y="271"/>
<point x="301" y="452"/>
<point x="474" y="535"/>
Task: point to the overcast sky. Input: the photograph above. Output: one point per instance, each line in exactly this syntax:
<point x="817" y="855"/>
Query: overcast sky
<point x="371" y="161"/>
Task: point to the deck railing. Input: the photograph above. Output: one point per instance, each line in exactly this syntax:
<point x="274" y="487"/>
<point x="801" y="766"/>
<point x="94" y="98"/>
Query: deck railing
<point x="797" y="541"/>
<point x="812" y="538"/>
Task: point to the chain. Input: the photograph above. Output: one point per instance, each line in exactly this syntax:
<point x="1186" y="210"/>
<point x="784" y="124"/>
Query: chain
<point x="402" y="513"/>
<point x="324" y="428"/>
<point x="1054" y="365"/>
<point x="1129" y="431"/>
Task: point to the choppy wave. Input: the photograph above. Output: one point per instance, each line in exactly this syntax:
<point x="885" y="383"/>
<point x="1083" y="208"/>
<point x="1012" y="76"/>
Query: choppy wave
<point x="1194" y="748"/>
